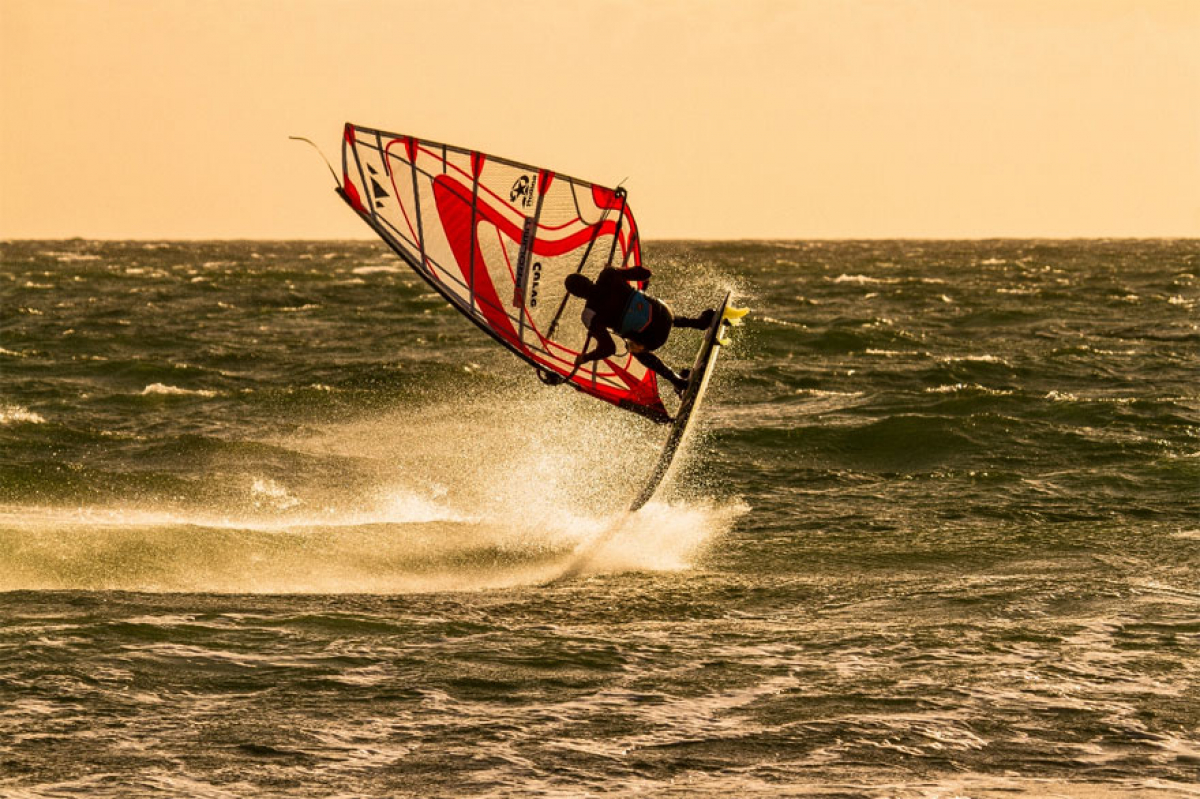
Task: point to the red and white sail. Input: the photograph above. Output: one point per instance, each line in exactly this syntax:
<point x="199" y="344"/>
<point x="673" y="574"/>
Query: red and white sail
<point x="496" y="238"/>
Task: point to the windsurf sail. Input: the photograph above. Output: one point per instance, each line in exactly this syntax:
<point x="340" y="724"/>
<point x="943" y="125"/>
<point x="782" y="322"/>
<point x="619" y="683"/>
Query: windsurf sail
<point x="496" y="238"/>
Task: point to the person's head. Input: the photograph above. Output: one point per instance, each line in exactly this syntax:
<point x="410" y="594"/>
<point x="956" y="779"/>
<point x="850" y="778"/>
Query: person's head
<point x="579" y="285"/>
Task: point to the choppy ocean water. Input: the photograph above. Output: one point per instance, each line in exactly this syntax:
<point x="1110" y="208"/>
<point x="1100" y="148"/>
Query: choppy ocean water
<point x="275" y="522"/>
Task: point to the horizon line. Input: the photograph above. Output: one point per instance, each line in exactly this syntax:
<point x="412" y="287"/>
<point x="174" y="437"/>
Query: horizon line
<point x="663" y="240"/>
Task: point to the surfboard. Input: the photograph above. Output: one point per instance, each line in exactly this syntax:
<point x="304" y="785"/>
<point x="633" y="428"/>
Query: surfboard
<point x="702" y="371"/>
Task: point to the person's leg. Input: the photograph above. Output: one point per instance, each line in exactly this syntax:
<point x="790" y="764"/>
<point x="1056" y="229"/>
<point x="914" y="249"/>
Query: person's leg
<point x="654" y="364"/>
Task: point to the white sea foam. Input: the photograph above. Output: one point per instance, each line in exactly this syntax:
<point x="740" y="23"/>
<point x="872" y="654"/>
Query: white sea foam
<point x="70" y="257"/>
<point x="817" y="392"/>
<point x="972" y="359"/>
<point x="371" y="270"/>
<point x="13" y="414"/>
<point x="164" y="389"/>
<point x="973" y="387"/>
<point x="663" y="536"/>
<point x="864" y="279"/>
<point x="439" y="499"/>
<point x="271" y="494"/>
<point x="273" y="508"/>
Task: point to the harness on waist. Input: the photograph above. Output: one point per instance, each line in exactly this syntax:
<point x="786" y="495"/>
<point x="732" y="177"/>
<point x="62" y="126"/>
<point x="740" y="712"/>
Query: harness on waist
<point x="636" y="316"/>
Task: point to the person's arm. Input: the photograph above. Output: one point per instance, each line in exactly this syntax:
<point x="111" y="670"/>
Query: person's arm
<point x="639" y="274"/>
<point x="610" y="275"/>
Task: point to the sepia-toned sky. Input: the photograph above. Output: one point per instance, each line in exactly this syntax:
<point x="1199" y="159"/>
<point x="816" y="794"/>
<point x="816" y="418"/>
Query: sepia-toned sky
<point x="728" y="118"/>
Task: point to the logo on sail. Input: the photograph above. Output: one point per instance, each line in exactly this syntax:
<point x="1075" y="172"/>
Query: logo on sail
<point x="522" y="191"/>
<point x="537" y="279"/>
<point x="522" y="276"/>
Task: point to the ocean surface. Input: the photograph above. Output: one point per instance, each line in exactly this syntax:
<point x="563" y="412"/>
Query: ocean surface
<point x="276" y="522"/>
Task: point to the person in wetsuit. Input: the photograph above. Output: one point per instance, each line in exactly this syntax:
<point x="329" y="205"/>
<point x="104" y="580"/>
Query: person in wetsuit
<point x="643" y="321"/>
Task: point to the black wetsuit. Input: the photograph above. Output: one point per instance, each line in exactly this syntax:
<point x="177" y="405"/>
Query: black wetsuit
<point x="637" y="317"/>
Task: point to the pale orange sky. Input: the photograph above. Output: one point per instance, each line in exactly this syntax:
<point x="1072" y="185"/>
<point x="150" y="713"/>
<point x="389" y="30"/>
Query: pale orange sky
<point x="730" y="118"/>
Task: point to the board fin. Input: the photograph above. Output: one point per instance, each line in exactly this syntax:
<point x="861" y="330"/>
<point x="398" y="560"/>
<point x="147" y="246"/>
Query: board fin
<point x="734" y="315"/>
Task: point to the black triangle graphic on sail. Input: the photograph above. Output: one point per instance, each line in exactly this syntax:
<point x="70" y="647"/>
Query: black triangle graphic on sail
<point x="373" y="172"/>
<point x="377" y="189"/>
<point x="378" y="204"/>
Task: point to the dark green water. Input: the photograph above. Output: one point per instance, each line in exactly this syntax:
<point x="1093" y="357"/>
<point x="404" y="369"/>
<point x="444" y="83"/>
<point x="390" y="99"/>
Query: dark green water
<point x="274" y="521"/>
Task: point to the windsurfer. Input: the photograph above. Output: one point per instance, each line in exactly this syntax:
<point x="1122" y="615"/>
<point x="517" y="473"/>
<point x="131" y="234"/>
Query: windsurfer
<point x="643" y="321"/>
